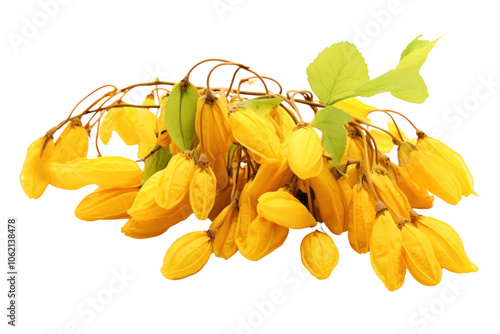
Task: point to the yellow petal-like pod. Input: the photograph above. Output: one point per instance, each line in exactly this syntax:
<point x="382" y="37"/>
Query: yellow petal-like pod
<point x="360" y="218"/>
<point x="447" y="245"/>
<point x="222" y="199"/>
<point x="202" y="189"/>
<point x="112" y="171"/>
<point x="283" y="121"/>
<point x="355" y="108"/>
<point x="354" y="150"/>
<point x="73" y="143"/>
<point x="212" y="126"/>
<point x="329" y="199"/>
<point x="352" y="174"/>
<point x="319" y="254"/>
<point x="174" y="184"/>
<point x="284" y="209"/>
<point x="256" y="133"/>
<point x="386" y="252"/>
<point x="187" y="255"/>
<point x="390" y="194"/>
<point x="107" y="203"/>
<point x="305" y="153"/>
<point x="35" y="175"/>
<point x="225" y="225"/>
<point x="345" y="191"/>
<point x="262" y="238"/>
<point x="121" y="120"/>
<point x="219" y="166"/>
<point x="247" y="213"/>
<point x="431" y="171"/>
<point x="419" y="256"/>
<point x="453" y="160"/>
<point x="271" y="176"/>
<point x="415" y="192"/>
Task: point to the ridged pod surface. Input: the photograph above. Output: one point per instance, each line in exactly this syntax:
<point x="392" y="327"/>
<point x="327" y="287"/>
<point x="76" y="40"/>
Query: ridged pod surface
<point x="262" y="238"/>
<point x="319" y="254"/>
<point x="224" y="243"/>
<point x="110" y="171"/>
<point x="175" y="180"/>
<point x="35" y="174"/>
<point x="360" y="218"/>
<point x="419" y="256"/>
<point x="187" y="255"/>
<point x="390" y="194"/>
<point x="284" y="209"/>
<point x="256" y="133"/>
<point x="386" y="252"/>
<point x="247" y="213"/>
<point x="415" y="192"/>
<point x="202" y="190"/>
<point x="447" y="245"/>
<point x="305" y="153"/>
<point x="121" y="120"/>
<point x="107" y="203"/>
<point x="329" y="200"/>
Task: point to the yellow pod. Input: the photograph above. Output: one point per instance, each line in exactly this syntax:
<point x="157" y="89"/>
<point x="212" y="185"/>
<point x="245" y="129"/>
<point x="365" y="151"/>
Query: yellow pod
<point x="212" y="126"/>
<point x="161" y="127"/>
<point x="284" y="209"/>
<point x="454" y="161"/>
<point x="283" y="121"/>
<point x="219" y="167"/>
<point x="73" y="143"/>
<point x="187" y="255"/>
<point x="390" y="194"/>
<point x="354" y="150"/>
<point x="415" y="192"/>
<point x="352" y="174"/>
<point x="256" y="133"/>
<point x="271" y="176"/>
<point x="145" y="207"/>
<point x="305" y="153"/>
<point x="345" y="191"/>
<point x="224" y="227"/>
<point x="329" y="199"/>
<point x="112" y="171"/>
<point x="431" y="172"/>
<point x="107" y="203"/>
<point x="35" y="175"/>
<point x="202" y="189"/>
<point x="174" y="184"/>
<point x="246" y="214"/>
<point x="355" y="108"/>
<point x="386" y="252"/>
<point x="419" y="256"/>
<point x="319" y="254"/>
<point x="262" y="238"/>
<point x="164" y="139"/>
<point x="360" y="218"/>
<point x="122" y="121"/>
<point x="447" y="245"/>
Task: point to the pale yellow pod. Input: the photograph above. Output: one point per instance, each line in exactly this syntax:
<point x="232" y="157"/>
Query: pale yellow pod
<point x="174" y="184"/>
<point x="107" y="203"/>
<point x="360" y="218"/>
<point x="203" y="189"/>
<point x="282" y="208"/>
<point x="386" y="252"/>
<point x="419" y="256"/>
<point x="35" y="174"/>
<point x="73" y="143"/>
<point x="391" y="195"/>
<point x="262" y="238"/>
<point x="122" y="121"/>
<point x="447" y="245"/>
<point x="305" y="152"/>
<point x="111" y="171"/>
<point x="224" y="227"/>
<point x="256" y="133"/>
<point x="319" y="254"/>
<point x="212" y="126"/>
<point x="329" y="199"/>
<point x="187" y="255"/>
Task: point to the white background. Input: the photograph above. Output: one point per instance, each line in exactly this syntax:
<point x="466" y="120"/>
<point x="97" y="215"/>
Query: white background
<point x="65" y="263"/>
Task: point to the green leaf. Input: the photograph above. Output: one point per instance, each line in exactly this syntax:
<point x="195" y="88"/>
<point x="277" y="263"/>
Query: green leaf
<point x="414" y="45"/>
<point x="261" y="105"/>
<point x="404" y="82"/>
<point x="330" y="121"/>
<point x="156" y="162"/>
<point x="180" y="114"/>
<point x="336" y="71"/>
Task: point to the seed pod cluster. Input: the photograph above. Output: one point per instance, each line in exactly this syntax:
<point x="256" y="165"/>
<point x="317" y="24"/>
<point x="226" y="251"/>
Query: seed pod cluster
<point x="257" y="171"/>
